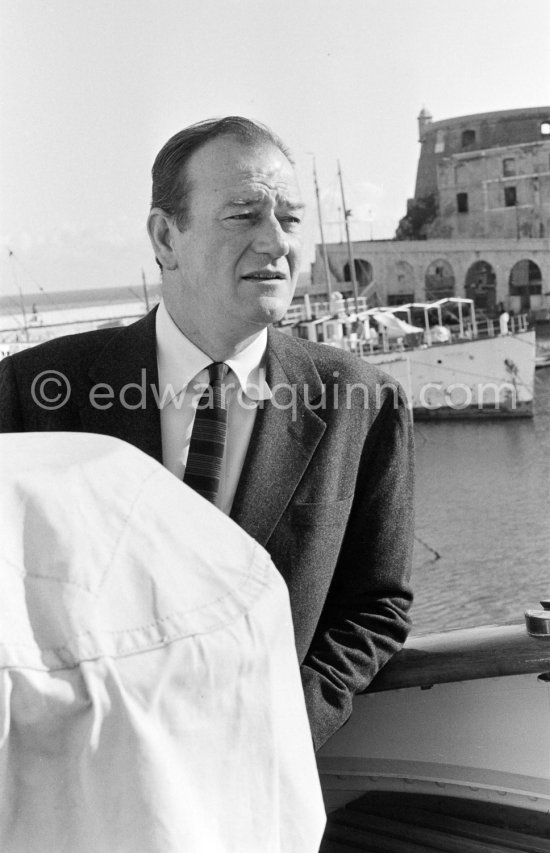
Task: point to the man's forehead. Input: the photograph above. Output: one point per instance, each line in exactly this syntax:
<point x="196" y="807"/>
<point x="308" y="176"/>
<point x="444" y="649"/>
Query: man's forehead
<point x="243" y="172"/>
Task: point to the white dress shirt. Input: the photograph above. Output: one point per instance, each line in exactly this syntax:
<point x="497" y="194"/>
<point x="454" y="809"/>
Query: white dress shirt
<point x="182" y="369"/>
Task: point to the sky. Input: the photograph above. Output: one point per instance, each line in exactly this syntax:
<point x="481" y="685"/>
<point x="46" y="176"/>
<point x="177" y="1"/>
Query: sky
<point x="90" y="90"/>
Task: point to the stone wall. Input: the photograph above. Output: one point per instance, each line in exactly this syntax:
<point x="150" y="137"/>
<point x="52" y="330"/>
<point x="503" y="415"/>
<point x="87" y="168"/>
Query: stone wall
<point x="486" y="180"/>
<point x="489" y="172"/>
<point x="404" y="268"/>
<point x="501" y="129"/>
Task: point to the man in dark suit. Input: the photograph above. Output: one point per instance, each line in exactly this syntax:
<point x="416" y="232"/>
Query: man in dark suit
<point x="318" y="463"/>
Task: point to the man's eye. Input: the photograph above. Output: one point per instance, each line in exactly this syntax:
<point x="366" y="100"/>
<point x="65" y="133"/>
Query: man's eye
<point x="248" y="215"/>
<point x="290" y="220"/>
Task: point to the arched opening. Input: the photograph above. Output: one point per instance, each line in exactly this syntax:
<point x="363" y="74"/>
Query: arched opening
<point x="439" y="280"/>
<point x="525" y="281"/>
<point x="401" y="287"/>
<point x="481" y="286"/>
<point x="363" y="273"/>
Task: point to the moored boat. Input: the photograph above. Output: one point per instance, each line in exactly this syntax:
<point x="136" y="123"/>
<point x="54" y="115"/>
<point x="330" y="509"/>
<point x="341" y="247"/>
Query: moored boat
<point x="542" y="356"/>
<point x="448" y="750"/>
<point x="450" y="363"/>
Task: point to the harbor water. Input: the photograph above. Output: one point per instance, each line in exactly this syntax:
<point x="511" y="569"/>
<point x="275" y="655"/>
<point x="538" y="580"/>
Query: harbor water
<point x="483" y="506"/>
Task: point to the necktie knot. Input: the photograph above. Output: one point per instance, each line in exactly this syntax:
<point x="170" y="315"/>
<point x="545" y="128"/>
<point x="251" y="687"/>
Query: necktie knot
<point x="217" y="371"/>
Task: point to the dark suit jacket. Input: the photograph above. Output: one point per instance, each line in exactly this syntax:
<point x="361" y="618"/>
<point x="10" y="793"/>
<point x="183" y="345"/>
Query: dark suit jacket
<point x="327" y="484"/>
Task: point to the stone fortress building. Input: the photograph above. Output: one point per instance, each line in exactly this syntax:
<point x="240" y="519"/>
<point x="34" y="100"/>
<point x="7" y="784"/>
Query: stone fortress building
<point x="477" y="227"/>
<point x="489" y="174"/>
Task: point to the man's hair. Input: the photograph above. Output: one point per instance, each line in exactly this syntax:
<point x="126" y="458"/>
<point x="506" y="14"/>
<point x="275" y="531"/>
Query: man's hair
<point x="171" y="185"/>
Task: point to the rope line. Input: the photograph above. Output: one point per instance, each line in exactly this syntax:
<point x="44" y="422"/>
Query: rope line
<point x="467" y="372"/>
<point x="437" y="555"/>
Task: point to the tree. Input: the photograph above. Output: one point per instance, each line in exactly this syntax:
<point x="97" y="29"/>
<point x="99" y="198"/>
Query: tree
<point x="420" y="213"/>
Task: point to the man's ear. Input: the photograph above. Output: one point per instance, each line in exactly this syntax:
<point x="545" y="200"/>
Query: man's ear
<point x="160" y="227"/>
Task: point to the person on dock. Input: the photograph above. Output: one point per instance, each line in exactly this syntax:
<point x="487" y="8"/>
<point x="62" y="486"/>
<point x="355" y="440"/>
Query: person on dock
<point x="503" y="319"/>
<point x="305" y="446"/>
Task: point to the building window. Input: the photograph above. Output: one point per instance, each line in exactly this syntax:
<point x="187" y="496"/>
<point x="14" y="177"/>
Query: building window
<point x="468" y="138"/>
<point x="400" y="298"/>
<point x="509" y="167"/>
<point x="439" y="141"/>
<point x="510" y="199"/>
<point x="545" y="128"/>
<point x="462" y="202"/>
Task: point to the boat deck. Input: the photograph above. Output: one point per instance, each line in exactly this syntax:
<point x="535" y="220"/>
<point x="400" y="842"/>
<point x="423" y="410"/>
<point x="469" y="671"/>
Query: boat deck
<point x="395" y="822"/>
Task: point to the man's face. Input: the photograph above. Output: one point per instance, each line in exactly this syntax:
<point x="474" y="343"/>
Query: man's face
<point x="238" y="257"/>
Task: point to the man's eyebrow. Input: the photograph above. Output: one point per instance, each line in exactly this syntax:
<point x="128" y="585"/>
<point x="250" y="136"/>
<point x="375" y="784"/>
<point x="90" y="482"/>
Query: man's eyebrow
<point x="244" y="202"/>
<point x="255" y="200"/>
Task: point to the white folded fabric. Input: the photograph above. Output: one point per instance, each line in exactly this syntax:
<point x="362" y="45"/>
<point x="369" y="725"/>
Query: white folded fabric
<point x="150" y="698"/>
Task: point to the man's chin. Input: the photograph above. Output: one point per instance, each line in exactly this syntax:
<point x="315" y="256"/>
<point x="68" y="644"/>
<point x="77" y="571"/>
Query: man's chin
<point x="271" y="309"/>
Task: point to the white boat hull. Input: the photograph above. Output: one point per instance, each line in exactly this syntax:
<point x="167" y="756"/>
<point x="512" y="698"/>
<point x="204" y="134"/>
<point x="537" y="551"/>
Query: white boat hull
<point x="485" y="377"/>
<point x="462" y="714"/>
<point x="487" y="739"/>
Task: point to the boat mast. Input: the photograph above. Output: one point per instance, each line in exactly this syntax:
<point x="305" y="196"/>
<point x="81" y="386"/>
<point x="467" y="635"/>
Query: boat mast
<point x="20" y="292"/>
<point x="324" y="245"/>
<point x="350" y="248"/>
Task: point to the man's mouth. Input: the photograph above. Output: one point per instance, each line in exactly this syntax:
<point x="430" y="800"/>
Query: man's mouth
<point x="264" y="275"/>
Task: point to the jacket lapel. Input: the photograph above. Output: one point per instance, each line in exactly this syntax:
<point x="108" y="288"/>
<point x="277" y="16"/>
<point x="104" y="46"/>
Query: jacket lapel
<point x="128" y="367"/>
<point x="285" y="435"/>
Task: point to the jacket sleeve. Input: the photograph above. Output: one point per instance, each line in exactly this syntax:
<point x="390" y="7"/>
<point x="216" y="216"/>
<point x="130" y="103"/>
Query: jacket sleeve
<point x="11" y="419"/>
<point x="365" y="617"/>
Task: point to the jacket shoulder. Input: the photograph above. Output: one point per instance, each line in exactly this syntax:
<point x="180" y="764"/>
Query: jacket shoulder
<point x="329" y="360"/>
<point x="67" y="351"/>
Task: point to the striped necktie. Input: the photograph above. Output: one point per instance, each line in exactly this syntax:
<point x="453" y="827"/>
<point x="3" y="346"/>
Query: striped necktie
<point x="207" y="445"/>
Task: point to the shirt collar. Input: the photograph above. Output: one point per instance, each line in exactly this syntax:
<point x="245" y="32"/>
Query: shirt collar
<point x="179" y="361"/>
<point x="249" y="368"/>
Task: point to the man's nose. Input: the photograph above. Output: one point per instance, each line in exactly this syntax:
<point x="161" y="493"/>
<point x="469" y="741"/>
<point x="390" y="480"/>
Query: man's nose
<point x="270" y="239"/>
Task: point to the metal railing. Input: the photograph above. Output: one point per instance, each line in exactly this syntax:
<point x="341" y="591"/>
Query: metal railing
<point x="489" y="328"/>
<point x="325" y="309"/>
